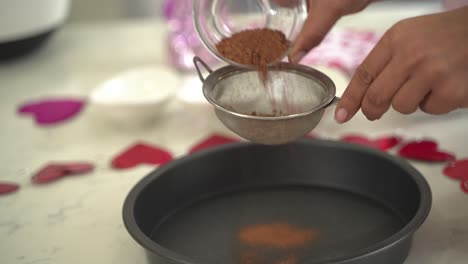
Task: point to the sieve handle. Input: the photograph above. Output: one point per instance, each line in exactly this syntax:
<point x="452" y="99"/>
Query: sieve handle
<point x="335" y="100"/>
<point x="196" y="61"/>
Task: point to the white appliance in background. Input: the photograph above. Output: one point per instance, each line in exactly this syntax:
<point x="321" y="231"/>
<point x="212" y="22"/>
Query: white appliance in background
<point x="25" y="24"/>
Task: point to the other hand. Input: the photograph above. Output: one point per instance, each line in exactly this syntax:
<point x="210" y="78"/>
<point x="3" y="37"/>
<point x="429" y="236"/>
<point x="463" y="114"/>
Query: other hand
<point x="420" y="62"/>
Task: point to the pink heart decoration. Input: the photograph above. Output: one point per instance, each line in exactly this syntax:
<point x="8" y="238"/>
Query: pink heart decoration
<point x="51" y="111"/>
<point x="457" y="169"/>
<point x="55" y="171"/>
<point x="141" y="153"/>
<point x="8" y="188"/>
<point x="212" y="141"/>
<point x="382" y="143"/>
<point x="425" y="150"/>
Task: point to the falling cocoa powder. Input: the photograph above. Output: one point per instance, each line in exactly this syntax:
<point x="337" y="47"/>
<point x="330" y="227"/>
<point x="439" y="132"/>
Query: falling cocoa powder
<point x="277" y="235"/>
<point x="259" y="48"/>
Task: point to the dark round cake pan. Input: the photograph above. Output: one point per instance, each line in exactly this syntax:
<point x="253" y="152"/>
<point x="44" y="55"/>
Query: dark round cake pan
<point x="365" y="205"/>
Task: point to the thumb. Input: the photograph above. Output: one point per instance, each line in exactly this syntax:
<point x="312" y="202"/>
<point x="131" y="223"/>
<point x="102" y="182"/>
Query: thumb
<point x="319" y="21"/>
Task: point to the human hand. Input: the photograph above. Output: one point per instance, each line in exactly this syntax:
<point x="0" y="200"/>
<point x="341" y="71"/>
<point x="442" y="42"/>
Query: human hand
<point x="419" y="62"/>
<point x="323" y="14"/>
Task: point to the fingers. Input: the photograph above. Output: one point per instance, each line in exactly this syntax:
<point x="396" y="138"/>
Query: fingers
<point x="449" y="95"/>
<point x="365" y="75"/>
<point x="379" y="96"/>
<point x="320" y="20"/>
<point x="412" y="93"/>
<point x="435" y="104"/>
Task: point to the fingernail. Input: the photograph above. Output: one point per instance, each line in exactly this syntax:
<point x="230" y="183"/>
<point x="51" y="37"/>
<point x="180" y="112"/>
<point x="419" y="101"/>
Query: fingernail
<point x="341" y="115"/>
<point x="298" y="57"/>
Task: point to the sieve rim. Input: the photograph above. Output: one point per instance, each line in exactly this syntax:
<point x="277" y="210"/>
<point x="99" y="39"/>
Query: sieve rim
<point x="303" y="70"/>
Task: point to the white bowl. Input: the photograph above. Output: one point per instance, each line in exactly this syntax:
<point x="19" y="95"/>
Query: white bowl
<point x="136" y="98"/>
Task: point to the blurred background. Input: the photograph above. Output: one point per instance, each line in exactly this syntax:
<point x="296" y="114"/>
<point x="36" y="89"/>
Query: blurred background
<point x="115" y="9"/>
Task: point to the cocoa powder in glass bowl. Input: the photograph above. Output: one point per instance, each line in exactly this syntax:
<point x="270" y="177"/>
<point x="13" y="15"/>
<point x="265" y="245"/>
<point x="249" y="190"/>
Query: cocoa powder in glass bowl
<point x="255" y="47"/>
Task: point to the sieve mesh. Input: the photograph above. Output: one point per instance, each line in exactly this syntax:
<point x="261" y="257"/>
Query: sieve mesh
<point x="284" y="93"/>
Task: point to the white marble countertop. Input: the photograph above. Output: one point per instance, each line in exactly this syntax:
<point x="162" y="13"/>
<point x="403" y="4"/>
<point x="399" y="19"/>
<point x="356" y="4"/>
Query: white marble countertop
<point x="78" y="220"/>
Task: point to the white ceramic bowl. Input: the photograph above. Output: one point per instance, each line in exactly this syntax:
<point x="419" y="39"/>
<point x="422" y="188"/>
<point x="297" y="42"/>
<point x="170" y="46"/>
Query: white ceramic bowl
<point x="136" y="98"/>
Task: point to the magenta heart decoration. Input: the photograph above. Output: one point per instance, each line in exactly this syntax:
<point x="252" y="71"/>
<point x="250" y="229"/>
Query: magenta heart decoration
<point x="382" y="143"/>
<point x="48" y="112"/>
<point x="425" y="150"/>
<point x="55" y="171"/>
<point x="8" y="188"/>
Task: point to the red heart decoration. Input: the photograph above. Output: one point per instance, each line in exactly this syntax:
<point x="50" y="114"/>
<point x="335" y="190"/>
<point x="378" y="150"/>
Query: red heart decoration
<point x="382" y="143"/>
<point x="212" y="141"/>
<point x="457" y="169"/>
<point x="78" y="167"/>
<point x="48" y="174"/>
<point x="464" y="186"/>
<point x="50" y="111"/>
<point x="55" y="171"/>
<point x="141" y="153"/>
<point x="425" y="150"/>
<point x="7" y="188"/>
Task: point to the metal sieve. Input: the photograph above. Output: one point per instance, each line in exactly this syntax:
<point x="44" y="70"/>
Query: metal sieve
<point x="284" y="108"/>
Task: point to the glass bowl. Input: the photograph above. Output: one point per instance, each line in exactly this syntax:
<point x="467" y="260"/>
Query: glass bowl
<point x="218" y="19"/>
